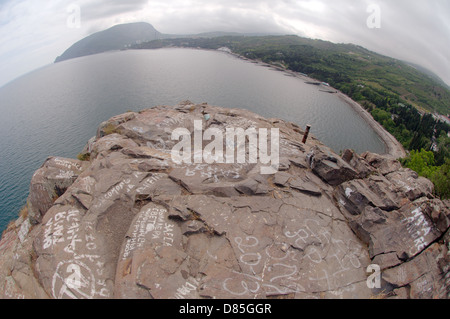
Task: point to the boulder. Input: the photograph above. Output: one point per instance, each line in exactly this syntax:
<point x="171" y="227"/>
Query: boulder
<point x="359" y="164"/>
<point x="384" y="164"/>
<point x="50" y="182"/>
<point x="328" y="166"/>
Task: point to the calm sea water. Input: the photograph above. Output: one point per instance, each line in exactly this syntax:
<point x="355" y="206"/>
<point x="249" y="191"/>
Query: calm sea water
<point x="56" y="109"/>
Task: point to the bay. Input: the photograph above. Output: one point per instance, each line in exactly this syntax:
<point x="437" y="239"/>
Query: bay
<point x="54" y="110"/>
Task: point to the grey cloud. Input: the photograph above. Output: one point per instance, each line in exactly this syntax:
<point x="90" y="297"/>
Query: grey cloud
<point x="217" y="16"/>
<point x="416" y="31"/>
<point x="100" y="9"/>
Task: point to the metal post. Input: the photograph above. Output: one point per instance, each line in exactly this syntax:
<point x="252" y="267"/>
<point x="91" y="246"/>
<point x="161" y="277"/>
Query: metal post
<point x="305" y="136"/>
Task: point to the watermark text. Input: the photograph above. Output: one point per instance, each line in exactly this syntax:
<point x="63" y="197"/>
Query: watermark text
<point x="374" y="19"/>
<point x="190" y="148"/>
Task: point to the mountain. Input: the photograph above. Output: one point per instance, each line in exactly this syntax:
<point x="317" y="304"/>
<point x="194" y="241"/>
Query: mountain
<point x="123" y="36"/>
<point x="431" y="74"/>
<point x="115" y="38"/>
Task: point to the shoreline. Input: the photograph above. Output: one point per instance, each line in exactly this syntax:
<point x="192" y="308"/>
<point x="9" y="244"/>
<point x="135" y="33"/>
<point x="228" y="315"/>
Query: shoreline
<point x="393" y="147"/>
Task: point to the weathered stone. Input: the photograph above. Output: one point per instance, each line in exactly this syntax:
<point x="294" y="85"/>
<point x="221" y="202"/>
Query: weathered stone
<point x="329" y="167"/>
<point x="306" y="186"/>
<point x="407" y="182"/>
<point x="363" y="168"/>
<point x="252" y="187"/>
<point x="299" y="161"/>
<point x="110" y="126"/>
<point x="108" y="143"/>
<point x="50" y="182"/>
<point x="281" y="179"/>
<point x="385" y="164"/>
<point x="16" y="264"/>
<point x="426" y="276"/>
<point x="397" y="240"/>
<point x="357" y="194"/>
<point x="133" y="223"/>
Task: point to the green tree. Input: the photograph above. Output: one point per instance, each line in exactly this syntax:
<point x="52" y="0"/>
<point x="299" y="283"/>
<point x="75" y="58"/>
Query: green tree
<point x="443" y="148"/>
<point x="380" y="115"/>
<point x="441" y="180"/>
<point x="422" y="162"/>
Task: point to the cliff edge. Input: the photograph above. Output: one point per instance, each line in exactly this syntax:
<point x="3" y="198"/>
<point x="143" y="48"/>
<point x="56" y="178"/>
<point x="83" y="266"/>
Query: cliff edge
<point x="132" y="221"/>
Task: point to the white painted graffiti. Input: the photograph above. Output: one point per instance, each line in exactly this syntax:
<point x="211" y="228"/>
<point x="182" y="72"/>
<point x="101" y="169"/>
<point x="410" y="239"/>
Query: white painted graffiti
<point x="346" y="254"/>
<point x="65" y="174"/>
<point x="67" y="164"/>
<point x="149" y="183"/>
<point x="185" y="290"/>
<point x="115" y="192"/>
<point x="56" y="233"/>
<point x="73" y="279"/>
<point x="87" y="183"/>
<point x="151" y="223"/>
<point x="275" y="270"/>
<point x="249" y="282"/>
<point x="417" y="227"/>
<point x="82" y="275"/>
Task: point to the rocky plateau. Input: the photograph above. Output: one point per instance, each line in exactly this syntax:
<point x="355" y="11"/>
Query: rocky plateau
<point x="130" y="222"/>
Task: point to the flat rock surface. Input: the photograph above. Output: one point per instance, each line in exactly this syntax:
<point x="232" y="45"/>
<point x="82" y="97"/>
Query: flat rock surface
<point x="134" y="223"/>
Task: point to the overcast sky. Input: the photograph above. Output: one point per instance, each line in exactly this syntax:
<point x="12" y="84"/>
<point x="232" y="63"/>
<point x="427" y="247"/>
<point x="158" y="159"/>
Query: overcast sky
<point x="34" y="32"/>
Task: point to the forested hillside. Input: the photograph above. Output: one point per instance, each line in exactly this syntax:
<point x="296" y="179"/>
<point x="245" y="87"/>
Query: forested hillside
<point x="344" y="66"/>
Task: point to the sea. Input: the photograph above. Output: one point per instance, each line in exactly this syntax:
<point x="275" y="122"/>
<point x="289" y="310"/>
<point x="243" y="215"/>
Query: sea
<point x="55" y="110"/>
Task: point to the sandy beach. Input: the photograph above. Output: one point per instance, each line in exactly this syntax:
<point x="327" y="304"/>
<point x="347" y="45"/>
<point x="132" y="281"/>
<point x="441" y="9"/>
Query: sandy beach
<point x="393" y="147"/>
